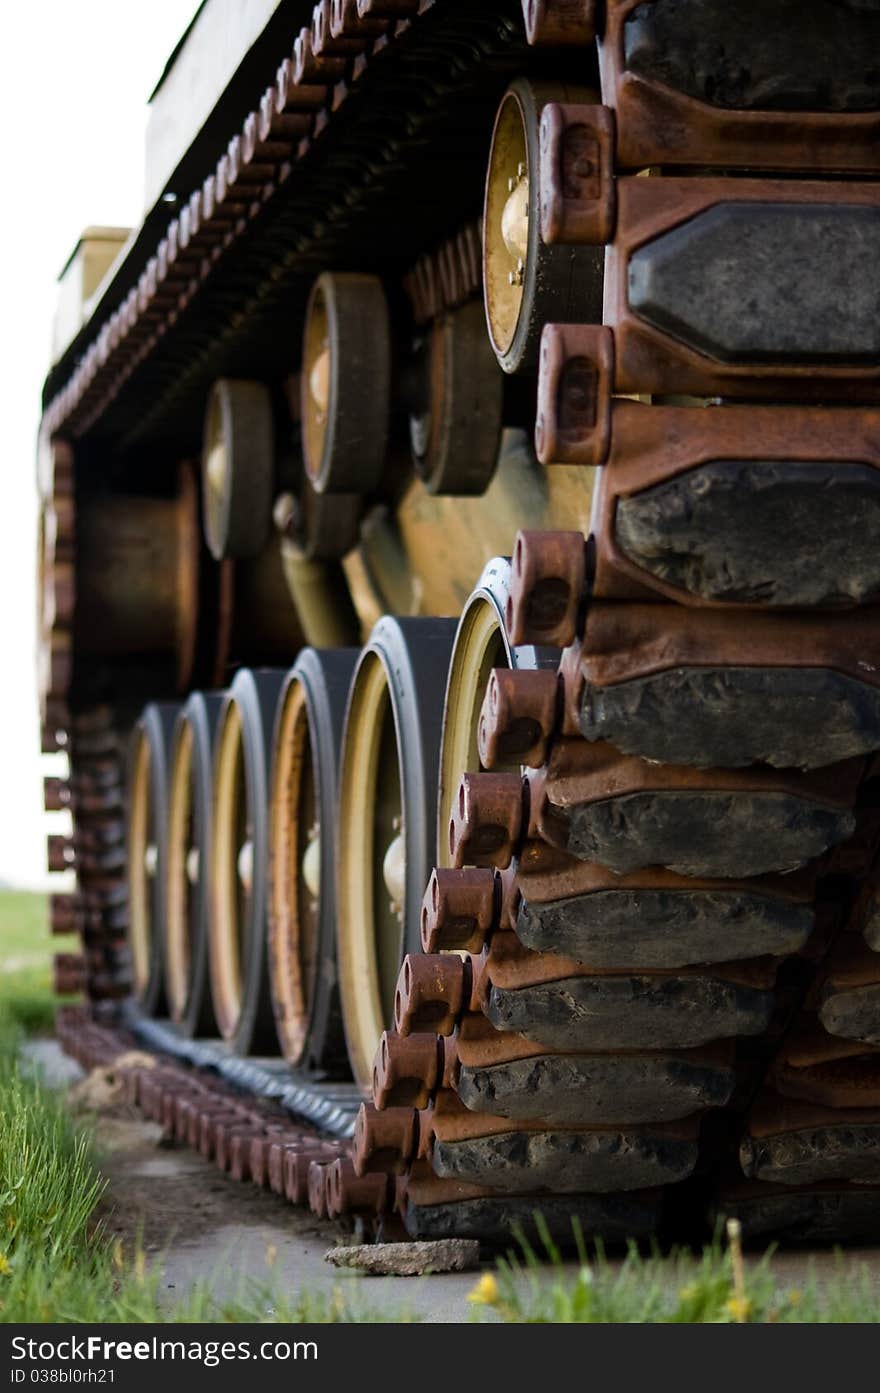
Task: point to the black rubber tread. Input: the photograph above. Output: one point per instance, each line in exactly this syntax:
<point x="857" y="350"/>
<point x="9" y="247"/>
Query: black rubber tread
<point x="257" y="692"/>
<point x="849" y="1215"/>
<point x="563" y="284"/>
<point x="706" y="833"/>
<point x="499" y="1219"/>
<point x="664" y="928"/>
<point x="853" y="1013"/>
<point x="156" y="723"/>
<point x="763" y="55"/>
<point x="201" y="712"/>
<point x="237" y="522"/>
<point x="728" y="717"/>
<point x="631" y="1013"/>
<point x="848" y="1151"/>
<point x="326" y="679"/>
<point x="757" y="283"/>
<point x="794" y="534"/>
<point x="595" y="1089"/>
<point x="566" y="1162"/>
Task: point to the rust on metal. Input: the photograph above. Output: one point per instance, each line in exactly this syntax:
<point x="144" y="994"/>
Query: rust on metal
<point x="576" y="174"/>
<point x="459" y="910"/>
<point x="547" y="588"/>
<point x="384" y="1141"/>
<point x="518" y="717"/>
<point x="407" y="1069"/>
<point x="487" y="820"/>
<point x="431" y="993"/>
<point x="560" y="23"/>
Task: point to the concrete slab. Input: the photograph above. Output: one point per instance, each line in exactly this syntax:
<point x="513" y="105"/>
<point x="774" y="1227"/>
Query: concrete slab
<point x="55" y="1068"/>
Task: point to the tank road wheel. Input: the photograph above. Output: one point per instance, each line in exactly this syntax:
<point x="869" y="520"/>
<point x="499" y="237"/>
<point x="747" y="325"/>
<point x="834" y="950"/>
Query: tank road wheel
<point x="188" y="855"/>
<point x="148" y="774"/>
<point x="528" y="283"/>
<point x="238" y="468"/>
<point x="346" y="383"/>
<point x="455" y="431"/>
<point x="302" y="860"/>
<point x="239" y="844"/>
<point x="387" y="791"/>
<point x="481" y="645"/>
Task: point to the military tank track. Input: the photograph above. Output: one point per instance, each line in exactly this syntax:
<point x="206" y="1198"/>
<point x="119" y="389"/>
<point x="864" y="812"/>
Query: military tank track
<point x="506" y="802"/>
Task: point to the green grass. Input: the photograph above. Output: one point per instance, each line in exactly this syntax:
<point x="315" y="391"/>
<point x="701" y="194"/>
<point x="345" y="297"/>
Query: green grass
<point x="674" y="1288"/>
<point x="26" y="951"/>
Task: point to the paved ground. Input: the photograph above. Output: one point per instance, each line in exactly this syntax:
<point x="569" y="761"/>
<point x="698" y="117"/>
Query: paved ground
<point x="201" y="1226"/>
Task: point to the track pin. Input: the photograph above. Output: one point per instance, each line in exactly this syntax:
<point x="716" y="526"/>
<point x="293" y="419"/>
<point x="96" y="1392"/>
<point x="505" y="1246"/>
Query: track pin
<point x="517" y="718"/>
<point x="384" y="1142"/>
<point x="547" y="586"/>
<point x="432" y="992"/>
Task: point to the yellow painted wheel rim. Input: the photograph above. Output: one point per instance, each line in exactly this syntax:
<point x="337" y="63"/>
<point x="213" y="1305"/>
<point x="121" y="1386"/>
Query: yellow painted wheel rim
<point x="179" y="893"/>
<point x="509" y="153"/>
<point x="479" y="647"/>
<point x="140" y="907"/>
<point x="314" y="419"/>
<point x="229" y="899"/>
<point x="370" y="936"/>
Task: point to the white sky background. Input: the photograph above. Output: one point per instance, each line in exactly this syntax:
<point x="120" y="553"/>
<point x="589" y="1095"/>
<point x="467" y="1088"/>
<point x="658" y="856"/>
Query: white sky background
<point x="74" y="80"/>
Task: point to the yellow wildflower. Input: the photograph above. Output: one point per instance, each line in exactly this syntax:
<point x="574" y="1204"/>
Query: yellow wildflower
<point x="5" y="1265"/>
<point x="739" y="1307"/>
<point x="485" y="1293"/>
<point x="794" y="1297"/>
